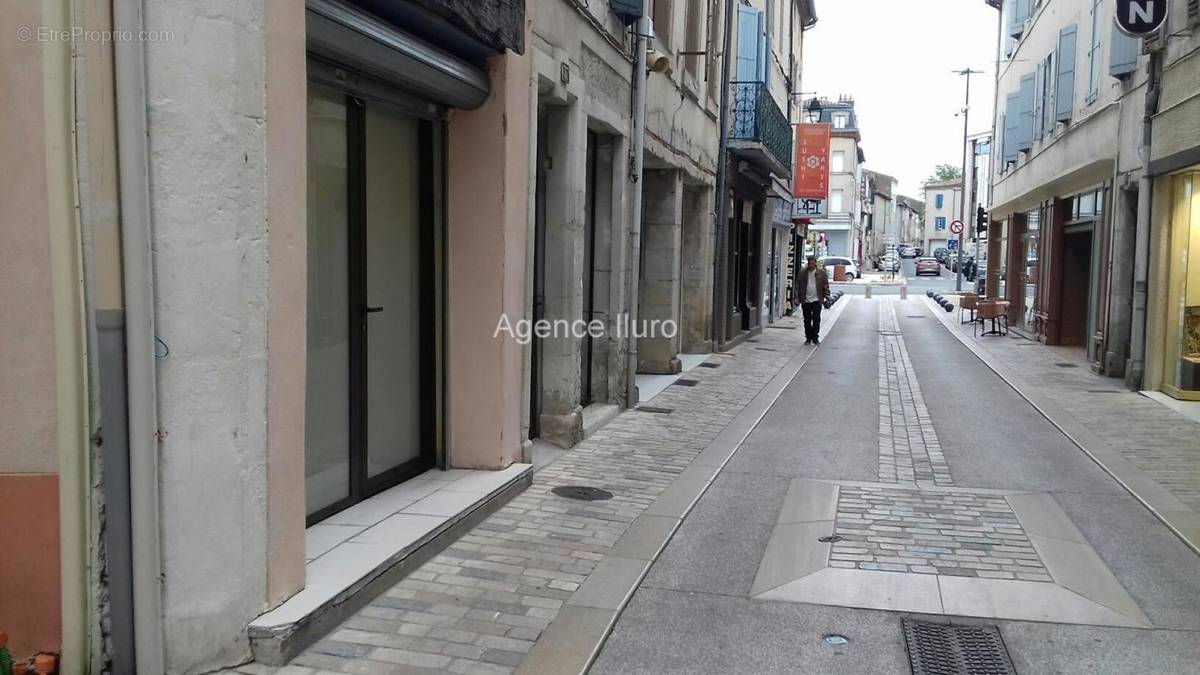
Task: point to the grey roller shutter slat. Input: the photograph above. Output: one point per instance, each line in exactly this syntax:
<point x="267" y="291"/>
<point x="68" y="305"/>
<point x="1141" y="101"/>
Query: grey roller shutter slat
<point x="1123" y="55"/>
<point x="1064" y="89"/>
<point x="347" y="36"/>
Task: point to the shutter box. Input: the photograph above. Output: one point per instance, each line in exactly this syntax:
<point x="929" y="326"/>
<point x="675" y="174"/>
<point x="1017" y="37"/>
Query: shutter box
<point x="1064" y="88"/>
<point x="629" y="11"/>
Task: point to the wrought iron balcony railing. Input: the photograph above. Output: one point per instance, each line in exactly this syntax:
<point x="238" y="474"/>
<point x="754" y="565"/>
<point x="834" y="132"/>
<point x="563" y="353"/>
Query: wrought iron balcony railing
<point x="756" y="117"/>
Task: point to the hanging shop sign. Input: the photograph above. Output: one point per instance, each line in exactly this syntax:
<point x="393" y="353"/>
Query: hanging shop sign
<point x="812" y="170"/>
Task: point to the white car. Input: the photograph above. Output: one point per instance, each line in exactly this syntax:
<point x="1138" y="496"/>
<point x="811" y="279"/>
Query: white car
<point x="829" y="261"/>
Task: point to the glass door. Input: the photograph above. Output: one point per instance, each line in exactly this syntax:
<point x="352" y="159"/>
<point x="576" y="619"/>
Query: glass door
<point x="370" y="315"/>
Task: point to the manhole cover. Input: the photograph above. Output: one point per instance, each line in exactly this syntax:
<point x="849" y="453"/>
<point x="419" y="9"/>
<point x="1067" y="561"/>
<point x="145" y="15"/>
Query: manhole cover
<point x="655" y="409"/>
<point x="706" y="364"/>
<point x="835" y="639"/>
<point x="582" y="492"/>
<point x="943" y="649"/>
<point x="1066" y="365"/>
<point x="685" y="383"/>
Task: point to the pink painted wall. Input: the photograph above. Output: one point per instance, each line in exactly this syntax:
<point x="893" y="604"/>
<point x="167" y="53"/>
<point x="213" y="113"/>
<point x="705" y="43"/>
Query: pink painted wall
<point x="487" y="211"/>
<point x="286" y="297"/>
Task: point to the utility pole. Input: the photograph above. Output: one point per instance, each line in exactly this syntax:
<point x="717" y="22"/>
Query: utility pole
<point x="641" y="45"/>
<point x="963" y="205"/>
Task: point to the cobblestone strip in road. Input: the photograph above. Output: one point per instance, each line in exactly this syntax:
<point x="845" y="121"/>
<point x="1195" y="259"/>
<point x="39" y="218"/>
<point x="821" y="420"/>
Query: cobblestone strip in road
<point x="956" y="533"/>
<point x="908" y="444"/>
<point x="479" y="606"/>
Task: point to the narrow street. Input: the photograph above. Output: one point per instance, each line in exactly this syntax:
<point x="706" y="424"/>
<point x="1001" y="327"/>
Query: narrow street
<point x="971" y="502"/>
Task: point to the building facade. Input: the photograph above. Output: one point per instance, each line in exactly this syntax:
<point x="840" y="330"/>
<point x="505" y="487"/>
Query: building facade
<point x="943" y="205"/>
<point x="1172" y="320"/>
<point x="268" y="296"/>
<point x="755" y="240"/>
<point x="841" y="231"/>
<point x="910" y="218"/>
<point x="881" y="223"/>
<point x="1065" y="169"/>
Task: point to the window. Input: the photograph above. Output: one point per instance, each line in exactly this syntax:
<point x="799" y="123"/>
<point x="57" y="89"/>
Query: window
<point x="939" y="223"/>
<point x="1094" y="55"/>
<point x="695" y="32"/>
<point x="1064" y="86"/>
<point x="835" y="201"/>
<point x="840" y="120"/>
<point x="938" y="201"/>
<point x="662" y="15"/>
<point x="838" y="163"/>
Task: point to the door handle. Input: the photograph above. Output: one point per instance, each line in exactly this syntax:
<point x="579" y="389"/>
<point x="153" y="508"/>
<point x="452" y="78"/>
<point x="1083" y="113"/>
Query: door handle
<point x="372" y="310"/>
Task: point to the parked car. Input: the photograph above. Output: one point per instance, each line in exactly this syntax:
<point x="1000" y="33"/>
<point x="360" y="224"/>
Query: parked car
<point x="906" y="251"/>
<point x="829" y="261"/>
<point x="940" y="254"/>
<point x="928" y="266"/>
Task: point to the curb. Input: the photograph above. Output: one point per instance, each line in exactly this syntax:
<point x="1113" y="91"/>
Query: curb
<point x="574" y="638"/>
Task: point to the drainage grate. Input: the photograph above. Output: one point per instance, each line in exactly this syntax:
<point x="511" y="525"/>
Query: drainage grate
<point x="916" y="316"/>
<point x="655" y="409"/>
<point x="782" y="327"/>
<point x="943" y="649"/>
<point x="685" y="383"/>
<point x="888" y="332"/>
<point x="708" y="364"/>
<point x="582" y="492"/>
<point x="1066" y="365"/>
<point x="1104" y="391"/>
<point x="831" y="539"/>
<point x="766" y="349"/>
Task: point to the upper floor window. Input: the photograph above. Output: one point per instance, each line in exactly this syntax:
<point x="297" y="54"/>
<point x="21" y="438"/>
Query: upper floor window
<point x="939" y="223"/>
<point x="840" y="120"/>
<point x="835" y="201"/>
<point x="938" y="201"/>
<point x="837" y="162"/>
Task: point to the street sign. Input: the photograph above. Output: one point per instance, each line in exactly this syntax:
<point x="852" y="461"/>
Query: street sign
<point x="956" y="227"/>
<point x="952" y="244"/>
<point x="809" y="208"/>
<point x="1139" y="18"/>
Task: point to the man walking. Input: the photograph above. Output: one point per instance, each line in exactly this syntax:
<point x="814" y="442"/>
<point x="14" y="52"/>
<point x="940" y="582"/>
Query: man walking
<point x="812" y="292"/>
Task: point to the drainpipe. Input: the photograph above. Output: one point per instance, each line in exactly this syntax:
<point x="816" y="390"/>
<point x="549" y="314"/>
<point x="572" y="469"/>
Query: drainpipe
<point x="641" y="44"/>
<point x="1141" y="256"/>
<point x="719" y="262"/>
<point x="138" y="273"/>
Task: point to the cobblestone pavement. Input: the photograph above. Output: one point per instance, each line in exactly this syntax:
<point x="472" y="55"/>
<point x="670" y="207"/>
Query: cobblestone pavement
<point x="908" y="445"/>
<point x="956" y="533"/>
<point x="480" y="605"/>
<point x="1157" y="440"/>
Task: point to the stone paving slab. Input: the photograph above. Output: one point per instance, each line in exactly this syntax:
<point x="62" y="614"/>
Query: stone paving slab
<point x="482" y="604"/>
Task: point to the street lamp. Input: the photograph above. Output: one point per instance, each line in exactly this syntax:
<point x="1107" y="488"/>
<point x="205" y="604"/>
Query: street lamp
<point x="812" y="110"/>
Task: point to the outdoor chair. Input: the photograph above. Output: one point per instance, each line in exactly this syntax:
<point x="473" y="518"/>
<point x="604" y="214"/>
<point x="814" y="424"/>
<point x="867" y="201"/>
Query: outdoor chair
<point x="995" y="311"/>
<point x="969" y="301"/>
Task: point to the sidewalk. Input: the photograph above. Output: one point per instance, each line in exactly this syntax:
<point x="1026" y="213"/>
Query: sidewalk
<point x="1152" y="450"/>
<point x="483" y="604"/>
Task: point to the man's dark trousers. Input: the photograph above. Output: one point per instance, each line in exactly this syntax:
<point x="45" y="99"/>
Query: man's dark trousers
<point x="812" y="320"/>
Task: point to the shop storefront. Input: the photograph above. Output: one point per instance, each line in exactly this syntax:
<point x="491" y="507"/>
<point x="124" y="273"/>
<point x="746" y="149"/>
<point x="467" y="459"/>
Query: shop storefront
<point x="1178" y="299"/>
<point x="375" y="147"/>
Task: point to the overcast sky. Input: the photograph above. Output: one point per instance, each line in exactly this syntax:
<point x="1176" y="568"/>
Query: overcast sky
<point x="896" y="59"/>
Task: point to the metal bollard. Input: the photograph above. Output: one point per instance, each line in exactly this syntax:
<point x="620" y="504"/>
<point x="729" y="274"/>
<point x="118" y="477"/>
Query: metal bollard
<point x="868" y="292"/>
<point x="904" y="292"/>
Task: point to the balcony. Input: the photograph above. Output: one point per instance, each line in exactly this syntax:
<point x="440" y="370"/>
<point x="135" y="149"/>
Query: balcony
<point x="760" y="132"/>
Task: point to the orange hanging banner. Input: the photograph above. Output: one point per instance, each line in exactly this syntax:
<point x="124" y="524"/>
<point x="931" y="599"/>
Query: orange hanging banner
<point x="812" y="161"/>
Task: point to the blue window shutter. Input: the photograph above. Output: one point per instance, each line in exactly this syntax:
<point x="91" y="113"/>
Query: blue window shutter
<point x="1039" y="100"/>
<point x="1122" y="55"/>
<point x="1012" y="119"/>
<point x="1018" y="11"/>
<point x="1064" y="88"/>
<point x="938" y="200"/>
<point x="749" y="41"/>
<point x="1001" y="146"/>
<point x="1025" y="123"/>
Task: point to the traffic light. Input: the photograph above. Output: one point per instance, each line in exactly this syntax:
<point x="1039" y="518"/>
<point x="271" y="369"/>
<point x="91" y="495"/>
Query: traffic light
<point x="980" y="220"/>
